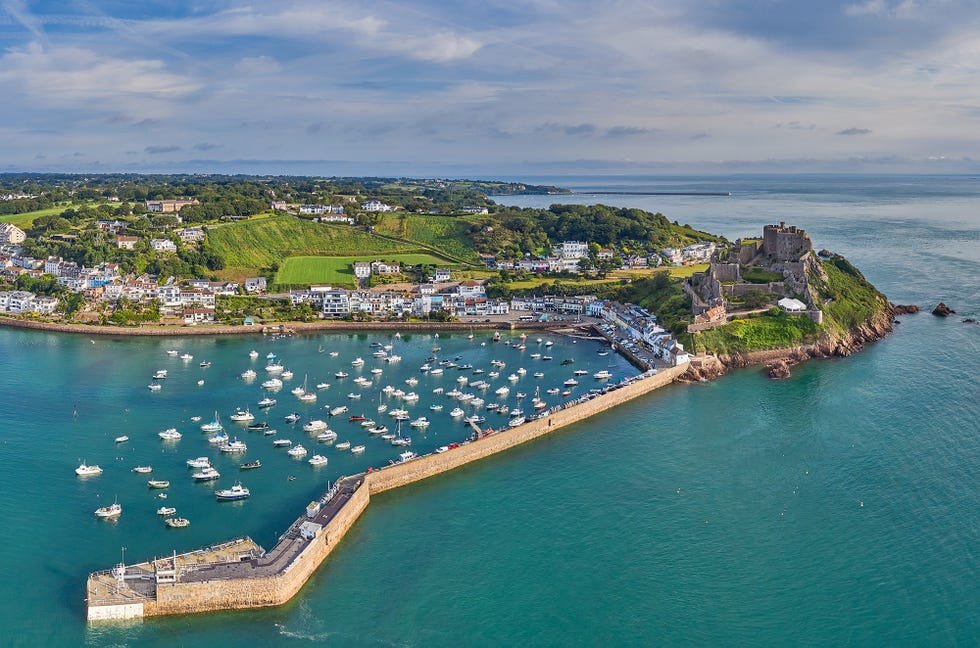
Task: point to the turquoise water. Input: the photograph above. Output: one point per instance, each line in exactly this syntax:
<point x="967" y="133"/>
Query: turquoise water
<point x="838" y="507"/>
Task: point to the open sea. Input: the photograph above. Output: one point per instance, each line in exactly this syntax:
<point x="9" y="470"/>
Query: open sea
<point x="839" y="507"/>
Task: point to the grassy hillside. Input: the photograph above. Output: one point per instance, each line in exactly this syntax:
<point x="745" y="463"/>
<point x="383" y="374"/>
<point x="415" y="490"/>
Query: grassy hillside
<point x="261" y="242"/>
<point x="447" y="233"/>
<point x="26" y="219"/>
<point x="337" y="270"/>
<point x="774" y="330"/>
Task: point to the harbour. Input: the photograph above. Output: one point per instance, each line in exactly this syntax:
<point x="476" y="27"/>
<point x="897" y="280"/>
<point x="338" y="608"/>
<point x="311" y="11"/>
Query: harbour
<point x="247" y="576"/>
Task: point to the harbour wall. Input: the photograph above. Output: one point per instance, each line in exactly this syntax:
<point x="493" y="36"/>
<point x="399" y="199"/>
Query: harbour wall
<point x="252" y="591"/>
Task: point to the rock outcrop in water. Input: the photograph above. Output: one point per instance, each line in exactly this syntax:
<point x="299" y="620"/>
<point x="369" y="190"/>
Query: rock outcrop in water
<point x="942" y="310"/>
<point x="779" y="370"/>
<point x="905" y="309"/>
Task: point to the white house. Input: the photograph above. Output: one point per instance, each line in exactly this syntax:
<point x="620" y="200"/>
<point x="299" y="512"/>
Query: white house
<point x="313" y="209"/>
<point x="442" y="274"/>
<point x="376" y="206"/>
<point x="362" y="269"/>
<point x="11" y="234"/>
<point x="255" y="284"/>
<point x="573" y="249"/>
<point x="163" y="245"/>
<point x="471" y="288"/>
<point x="191" y="234"/>
<point x="383" y="267"/>
<point x="127" y="242"/>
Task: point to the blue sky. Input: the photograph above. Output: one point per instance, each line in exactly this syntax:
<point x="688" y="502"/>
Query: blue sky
<point x="490" y="87"/>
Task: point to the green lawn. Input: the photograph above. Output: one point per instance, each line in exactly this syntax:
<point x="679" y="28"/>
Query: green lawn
<point x="538" y="282"/>
<point x="337" y="270"/>
<point x="258" y="243"/>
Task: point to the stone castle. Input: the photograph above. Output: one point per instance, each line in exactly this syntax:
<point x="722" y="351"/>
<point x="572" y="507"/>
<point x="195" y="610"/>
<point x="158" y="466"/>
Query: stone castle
<point x="784" y="251"/>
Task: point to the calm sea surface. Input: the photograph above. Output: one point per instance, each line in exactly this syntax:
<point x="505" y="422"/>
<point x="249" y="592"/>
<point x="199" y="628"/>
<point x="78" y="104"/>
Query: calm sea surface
<point x="841" y="506"/>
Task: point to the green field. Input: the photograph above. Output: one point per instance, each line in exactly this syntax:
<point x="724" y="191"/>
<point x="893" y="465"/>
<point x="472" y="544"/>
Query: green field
<point x="337" y="270"/>
<point x="259" y="243"/>
<point x="447" y="233"/>
<point x="26" y="219"/>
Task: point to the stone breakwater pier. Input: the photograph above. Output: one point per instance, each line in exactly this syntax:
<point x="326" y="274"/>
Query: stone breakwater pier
<point x="239" y="574"/>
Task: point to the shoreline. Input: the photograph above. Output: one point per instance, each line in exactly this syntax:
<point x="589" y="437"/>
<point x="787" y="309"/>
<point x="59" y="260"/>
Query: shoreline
<point x="260" y="329"/>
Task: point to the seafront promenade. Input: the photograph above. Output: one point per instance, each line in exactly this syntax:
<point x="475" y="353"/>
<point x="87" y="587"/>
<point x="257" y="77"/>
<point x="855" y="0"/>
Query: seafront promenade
<point x="239" y="574"/>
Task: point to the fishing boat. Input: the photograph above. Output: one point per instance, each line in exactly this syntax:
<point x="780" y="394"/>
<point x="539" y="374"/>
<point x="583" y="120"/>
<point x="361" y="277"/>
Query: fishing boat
<point x="337" y="411"/>
<point x="341" y="374"/>
<point x="158" y="483"/>
<point x="282" y="443"/>
<point x="250" y="465"/>
<point x="236" y="492"/>
<point x="166" y="510"/>
<point x="241" y="416"/>
<point x="213" y="426"/>
<point x="317" y="460"/>
<point x="200" y="462"/>
<point x="84" y="470"/>
<point x="358" y="449"/>
<point x="297" y="451"/>
<point x="258" y="427"/>
<point x="292" y="417"/>
<point x="170" y="434"/>
<point x="248" y="374"/>
<point x="343" y="445"/>
<point x="114" y="510"/>
<point x="266" y="403"/>
<point x="172" y="353"/>
<point x="206" y="474"/>
<point x="602" y="375"/>
<point x="143" y="470"/>
<point x="177" y="523"/>
<point x="154" y="387"/>
<point x="122" y="439"/>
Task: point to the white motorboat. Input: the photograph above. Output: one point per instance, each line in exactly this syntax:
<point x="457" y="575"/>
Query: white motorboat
<point x="435" y="408"/>
<point x="248" y="374"/>
<point x="282" y="443"/>
<point x="253" y="354"/>
<point x="436" y="371"/>
<point x="571" y="382"/>
<point x="580" y="372"/>
<point x="172" y="353"/>
<point x="477" y="402"/>
<point x="334" y="354"/>
<point x="292" y="417"/>
<point x="315" y="426"/>
<point x="377" y="371"/>
<point x="143" y="470"/>
<point x="535" y="356"/>
<point x="186" y="357"/>
<point x="343" y="445"/>
<point x="442" y="449"/>
<point x="513" y="378"/>
<point x="160" y="374"/>
<point x="393" y="358"/>
<point x="438" y="390"/>
<point x="307" y="397"/>
<point x="462" y="380"/>
<point x="602" y="375"/>
<point x="421" y="423"/>
<point x="401" y="441"/>
<point x="154" y="387"/>
<point x="236" y="492"/>
<point x="206" y="474"/>
<point x="234" y="447"/>
<point x="177" y="523"/>
<point x="539" y="374"/>
<point x="272" y="384"/>
<point x="410" y="397"/>
<point x="456" y="412"/>
<point x="341" y="374"/>
<point x="358" y="449"/>
<point x="326" y="437"/>
<point x="242" y="416"/>
<point x="266" y="403"/>
<point x="411" y="382"/>
<point x="200" y="462"/>
<point x="406" y="456"/>
<point x="518" y="420"/>
<point x="318" y="460"/>
<point x="114" y="510"/>
<point x="287" y="375"/>
<point x="122" y="439"/>
<point x="158" y="483"/>
<point x="297" y="390"/>
<point x="323" y="385"/>
<point x="337" y="411"/>
<point x="84" y="470"/>
<point x="166" y="510"/>
<point x="367" y="423"/>
<point x="379" y="430"/>
<point x="357" y="362"/>
<point x="297" y="451"/>
<point x="554" y="391"/>
<point x="170" y="434"/>
<point x="549" y="343"/>
<point x="494" y="374"/>
<point x="502" y="391"/>
<point x="521" y="371"/>
<point x="218" y="439"/>
<point x="195" y="419"/>
<point x="275" y="368"/>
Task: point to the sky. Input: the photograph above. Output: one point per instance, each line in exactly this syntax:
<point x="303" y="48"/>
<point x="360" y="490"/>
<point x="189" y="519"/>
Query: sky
<point x="490" y="87"/>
